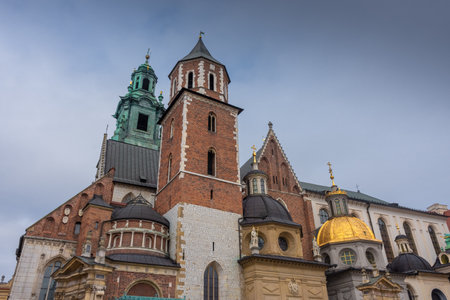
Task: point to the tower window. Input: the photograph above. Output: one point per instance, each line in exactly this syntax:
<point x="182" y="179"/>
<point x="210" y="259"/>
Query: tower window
<point x="169" y="167"/>
<point x="190" y="80"/>
<point x="255" y="186"/>
<point x="136" y="84"/>
<point x="142" y="122"/>
<point x="171" y="129"/>
<point x="211" y="162"/>
<point x="211" y="81"/>
<point x="212" y="122"/>
<point x="77" y="228"/>
<point x="211" y="194"/>
<point x="263" y="188"/>
<point x="145" y="84"/>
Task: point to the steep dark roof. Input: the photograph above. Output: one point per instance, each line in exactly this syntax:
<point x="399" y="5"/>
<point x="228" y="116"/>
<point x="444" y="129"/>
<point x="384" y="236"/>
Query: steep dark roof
<point x="139" y="209"/>
<point x="198" y="51"/>
<point x="409" y="262"/>
<point x="262" y="208"/>
<point x="133" y="164"/>
<point x="98" y="200"/>
<point x="144" y="259"/>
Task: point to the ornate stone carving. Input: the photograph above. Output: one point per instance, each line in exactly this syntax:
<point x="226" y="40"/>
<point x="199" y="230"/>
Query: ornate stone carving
<point x="293" y="287"/>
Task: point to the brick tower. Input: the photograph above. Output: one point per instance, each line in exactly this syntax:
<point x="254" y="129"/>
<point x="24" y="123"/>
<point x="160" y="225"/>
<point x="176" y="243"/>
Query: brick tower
<point x="199" y="189"/>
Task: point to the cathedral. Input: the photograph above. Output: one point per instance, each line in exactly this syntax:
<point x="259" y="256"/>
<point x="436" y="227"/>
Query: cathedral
<point x="173" y="215"/>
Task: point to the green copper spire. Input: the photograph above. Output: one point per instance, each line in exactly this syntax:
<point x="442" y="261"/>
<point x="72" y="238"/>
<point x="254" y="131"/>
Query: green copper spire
<point x="139" y="110"/>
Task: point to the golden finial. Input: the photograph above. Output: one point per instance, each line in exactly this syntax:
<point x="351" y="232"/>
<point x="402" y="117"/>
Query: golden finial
<point x="200" y="35"/>
<point x="147" y="56"/>
<point x="160" y="93"/>
<point x="254" y="154"/>
<point x="398" y="228"/>
<point x="331" y="174"/>
<point x="131" y="82"/>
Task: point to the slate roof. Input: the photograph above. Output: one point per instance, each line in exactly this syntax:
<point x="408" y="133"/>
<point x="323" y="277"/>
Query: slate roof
<point x="98" y="200"/>
<point x="409" y="262"/>
<point x="144" y="259"/>
<point x="133" y="164"/>
<point x="200" y="50"/>
<point x="139" y="209"/>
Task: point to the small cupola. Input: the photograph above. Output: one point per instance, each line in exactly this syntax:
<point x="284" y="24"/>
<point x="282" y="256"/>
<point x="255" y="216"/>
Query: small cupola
<point x="144" y="78"/>
<point x="255" y="180"/>
<point x="336" y="198"/>
<point x="402" y="242"/>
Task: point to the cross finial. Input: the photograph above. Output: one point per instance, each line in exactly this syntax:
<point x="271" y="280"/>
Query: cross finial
<point x="200" y="34"/>
<point x="331" y="173"/>
<point x="254" y="153"/>
<point x="147" y="56"/>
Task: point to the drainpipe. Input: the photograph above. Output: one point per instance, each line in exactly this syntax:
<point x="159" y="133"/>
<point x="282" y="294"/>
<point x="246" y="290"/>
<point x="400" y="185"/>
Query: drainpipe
<point x="239" y="233"/>
<point x="370" y="218"/>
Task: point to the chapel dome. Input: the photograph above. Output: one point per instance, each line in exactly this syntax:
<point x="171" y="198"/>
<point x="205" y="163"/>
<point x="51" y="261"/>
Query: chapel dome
<point x="261" y="208"/>
<point x="344" y="229"/>
<point x="140" y="209"/>
<point x="409" y="262"/>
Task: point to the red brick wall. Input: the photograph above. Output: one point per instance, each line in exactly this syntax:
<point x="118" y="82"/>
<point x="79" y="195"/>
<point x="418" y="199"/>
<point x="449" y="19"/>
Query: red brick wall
<point x="58" y="229"/>
<point x="193" y="66"/>
<point x="191" y="188"/>
<point x="282" y="184"/>
<point x="166" y="283"/>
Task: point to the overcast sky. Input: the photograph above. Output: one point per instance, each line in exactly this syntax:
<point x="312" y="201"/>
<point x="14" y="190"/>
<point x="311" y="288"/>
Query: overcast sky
<point x="363" y="84"/>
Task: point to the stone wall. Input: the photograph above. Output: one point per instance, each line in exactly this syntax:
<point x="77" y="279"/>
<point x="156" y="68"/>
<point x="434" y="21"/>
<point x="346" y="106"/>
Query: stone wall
<point x="200" y="236"/>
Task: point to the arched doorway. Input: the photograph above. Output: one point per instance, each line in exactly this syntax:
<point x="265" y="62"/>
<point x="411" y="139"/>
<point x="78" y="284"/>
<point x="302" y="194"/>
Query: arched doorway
<point x="437" y="295"/>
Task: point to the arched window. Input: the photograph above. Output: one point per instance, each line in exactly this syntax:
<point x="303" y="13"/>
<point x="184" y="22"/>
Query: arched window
<point x="211" y="162"/>
<point x="323" y="214"/>
<point x="49" y="224"/>
<point x="169" y="168"/>
<point x="190" y="80"/>
<point x="386" y="240"/>
<point x="410" y="237"/>
<point x="48" y="284"/>
<point x="171" y="129"/>
<point x="143" y="289"/>
<point x="211" y="81"/>
<point x="444" y="259"/>
<point x="437" y="295"/>
<point x="434" y="240"/>
<point x="210" y="284"/>
<point x="411" y="293"/>
<point x="128" y="197"/>
<point x="174" y="88"/>
<point x="145" y="84"/>
<point x="116" y="241"/>
<point x="255" y="186"/>
<point x="136" y="84"/>
<point x="263" y="188"/>
<point x="212" y="122"/>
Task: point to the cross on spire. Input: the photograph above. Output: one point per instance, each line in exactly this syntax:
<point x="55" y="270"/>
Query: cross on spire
<point x="331" y="173"/>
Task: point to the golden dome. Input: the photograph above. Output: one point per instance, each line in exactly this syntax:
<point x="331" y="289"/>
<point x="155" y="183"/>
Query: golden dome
<point x="344" y="229"/>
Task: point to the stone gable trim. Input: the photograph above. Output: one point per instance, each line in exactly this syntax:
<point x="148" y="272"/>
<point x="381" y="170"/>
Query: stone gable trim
<point x="271" y="133"/>
<point x="43" y="239"/>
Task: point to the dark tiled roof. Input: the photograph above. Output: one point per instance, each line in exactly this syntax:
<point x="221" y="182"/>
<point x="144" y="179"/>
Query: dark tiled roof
<point x="133" y="164"/>
<point x="409" y="262"/>
<point x="144" y="259"/>
<point x="198" y="51"/>
<point x="140" y="209"/>
<point x="98" y="200"/>
<point x="284" y="258"/>
<point x="263" y="209"/>
<point x="352" y="195"/>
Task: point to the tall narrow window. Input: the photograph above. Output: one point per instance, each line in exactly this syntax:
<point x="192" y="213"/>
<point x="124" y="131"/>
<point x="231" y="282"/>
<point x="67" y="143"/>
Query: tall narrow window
<point x="171" y="129"/>
<point x="142" y="122"/>
<point x="48" y="284"/>
<point x="211" y="162"/>
<point x="190" y="80"/>
<point x="169" y="168"/>
<point x="145" y="84"/>
<point x="410" y="237"/>
<point x="255" y="186"/>
<point x="210" y="284"/>
<point x="263" y="188"/>
<point x="434" y="240"/>
<point x="211" y="81"/>
<point x="77" y="228"/>
<point x="386" y="240"/>
<point x="136" y="84"/>
<point x="212" y="122"/>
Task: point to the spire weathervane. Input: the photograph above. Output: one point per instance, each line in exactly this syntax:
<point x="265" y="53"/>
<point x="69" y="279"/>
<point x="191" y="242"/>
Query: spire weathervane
<point x="254" y="153"/>
<point x="331" y="174"/>
<point x="200" y="34"/>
